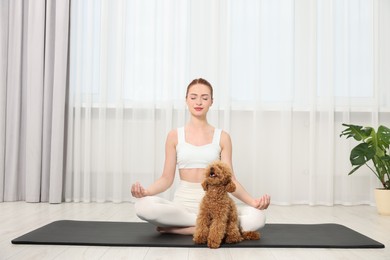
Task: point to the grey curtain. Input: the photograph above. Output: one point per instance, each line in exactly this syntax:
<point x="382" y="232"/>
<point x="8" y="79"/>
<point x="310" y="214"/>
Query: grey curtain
<point x="33" y="89"/>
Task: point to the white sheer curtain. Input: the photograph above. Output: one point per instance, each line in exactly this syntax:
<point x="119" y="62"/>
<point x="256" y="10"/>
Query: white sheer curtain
<point x="33" y="88"/>
<point x="286" y="75"/>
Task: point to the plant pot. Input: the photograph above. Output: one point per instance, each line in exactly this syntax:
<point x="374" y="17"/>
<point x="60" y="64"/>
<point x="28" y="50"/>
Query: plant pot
<point x="382" y="198"/>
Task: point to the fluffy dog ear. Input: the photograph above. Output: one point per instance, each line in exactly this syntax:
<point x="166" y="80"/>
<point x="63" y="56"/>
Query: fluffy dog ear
<point x="230" y="187"/>
<point x="205" y="186"/>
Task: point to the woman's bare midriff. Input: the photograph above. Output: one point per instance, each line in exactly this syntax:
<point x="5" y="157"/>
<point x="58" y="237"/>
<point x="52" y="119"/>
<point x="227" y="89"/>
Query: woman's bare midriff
<point x="192" y="175"/>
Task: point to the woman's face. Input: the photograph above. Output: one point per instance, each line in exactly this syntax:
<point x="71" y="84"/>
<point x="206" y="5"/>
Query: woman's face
<point x="199" y="99"/>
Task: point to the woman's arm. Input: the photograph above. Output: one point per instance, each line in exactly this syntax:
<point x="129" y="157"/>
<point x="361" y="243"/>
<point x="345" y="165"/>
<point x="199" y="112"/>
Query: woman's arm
<point x="168" y="175"/>
<point x="240" y="193"/>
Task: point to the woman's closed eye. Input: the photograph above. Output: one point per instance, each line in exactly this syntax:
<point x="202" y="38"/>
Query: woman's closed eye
<point x="204" y="97"/>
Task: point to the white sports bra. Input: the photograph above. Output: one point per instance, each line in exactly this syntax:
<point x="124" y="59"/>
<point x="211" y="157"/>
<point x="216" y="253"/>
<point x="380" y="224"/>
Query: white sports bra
<point x="191" y="156"/>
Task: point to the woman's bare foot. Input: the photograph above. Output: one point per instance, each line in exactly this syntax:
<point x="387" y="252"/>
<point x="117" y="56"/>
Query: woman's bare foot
<point x="177" y="230"/>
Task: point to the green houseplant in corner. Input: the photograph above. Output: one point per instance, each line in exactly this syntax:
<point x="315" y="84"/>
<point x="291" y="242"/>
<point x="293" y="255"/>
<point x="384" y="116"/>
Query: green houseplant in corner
<point x="373" y="146"/>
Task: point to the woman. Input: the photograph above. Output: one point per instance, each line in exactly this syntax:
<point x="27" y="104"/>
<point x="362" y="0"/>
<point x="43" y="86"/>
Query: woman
<point x="191" y="148"/>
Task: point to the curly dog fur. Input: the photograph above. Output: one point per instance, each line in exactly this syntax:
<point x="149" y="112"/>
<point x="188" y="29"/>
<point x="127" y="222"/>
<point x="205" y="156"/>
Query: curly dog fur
<point x="217" y="220"/>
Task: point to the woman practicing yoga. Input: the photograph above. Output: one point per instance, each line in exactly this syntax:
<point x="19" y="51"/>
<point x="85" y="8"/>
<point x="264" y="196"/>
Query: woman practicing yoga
<point x="191" y="148"/>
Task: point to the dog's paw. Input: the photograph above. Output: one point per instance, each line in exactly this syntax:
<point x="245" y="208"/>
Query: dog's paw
<point x="233" y="239"/>
<point x="213" y="243"/>
<point x="199" y="239"/>
<point x="251" y="235"/>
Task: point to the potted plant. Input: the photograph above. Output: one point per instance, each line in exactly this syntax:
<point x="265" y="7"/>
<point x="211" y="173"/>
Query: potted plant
<point x="373" y="146"/>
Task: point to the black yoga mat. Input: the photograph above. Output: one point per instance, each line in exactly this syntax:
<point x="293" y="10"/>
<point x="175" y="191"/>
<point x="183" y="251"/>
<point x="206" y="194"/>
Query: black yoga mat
<point x="95" y="233"/>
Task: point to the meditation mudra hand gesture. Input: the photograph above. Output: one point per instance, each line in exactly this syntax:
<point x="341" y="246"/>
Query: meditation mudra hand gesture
<point x="192" y="148"/>
<point x="138" y="191"/>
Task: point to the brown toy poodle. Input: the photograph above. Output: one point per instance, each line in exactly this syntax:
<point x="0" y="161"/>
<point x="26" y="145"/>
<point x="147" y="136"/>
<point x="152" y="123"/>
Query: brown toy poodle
<point x="217" y="220"/>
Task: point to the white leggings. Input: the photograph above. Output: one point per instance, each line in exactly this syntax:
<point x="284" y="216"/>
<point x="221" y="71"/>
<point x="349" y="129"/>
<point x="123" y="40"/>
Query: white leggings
<point x="183" y="210"/>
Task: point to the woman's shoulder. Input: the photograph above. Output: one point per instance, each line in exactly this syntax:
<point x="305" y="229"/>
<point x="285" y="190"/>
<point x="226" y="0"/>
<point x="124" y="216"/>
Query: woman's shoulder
<point x="225" y="140"/>
<point x="224" y="134"/>
<point x="172" y="136"/>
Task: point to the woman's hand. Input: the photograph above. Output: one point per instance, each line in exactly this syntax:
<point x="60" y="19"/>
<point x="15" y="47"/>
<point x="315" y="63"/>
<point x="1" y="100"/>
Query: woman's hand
<point x="138" y="191"/>
<point x="263" y="202"/>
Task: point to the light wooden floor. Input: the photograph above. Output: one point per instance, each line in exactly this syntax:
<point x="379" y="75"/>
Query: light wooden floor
<point x="17" y="218"/>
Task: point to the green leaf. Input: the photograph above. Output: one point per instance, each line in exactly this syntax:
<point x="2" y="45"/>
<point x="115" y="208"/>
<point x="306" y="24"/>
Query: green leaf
<point x="359" y="133"/>
<point x="385" y="158"/>
<point x="354" y="169"/>
<point x="361" y="154"/>
<point x="383" y="137"/>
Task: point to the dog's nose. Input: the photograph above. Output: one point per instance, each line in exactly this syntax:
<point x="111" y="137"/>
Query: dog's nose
<point x="212" y="174"/>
